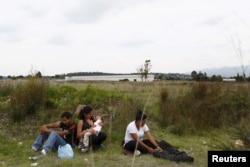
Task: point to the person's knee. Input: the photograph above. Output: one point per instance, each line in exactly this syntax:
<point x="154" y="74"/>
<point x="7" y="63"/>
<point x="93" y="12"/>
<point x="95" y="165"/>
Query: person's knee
<point x="53" y="134"/>
<point x="103" y="136"/>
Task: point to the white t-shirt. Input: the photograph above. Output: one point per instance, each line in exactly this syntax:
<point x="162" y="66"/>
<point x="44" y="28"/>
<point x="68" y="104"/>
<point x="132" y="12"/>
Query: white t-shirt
<point x="131" y="128"/>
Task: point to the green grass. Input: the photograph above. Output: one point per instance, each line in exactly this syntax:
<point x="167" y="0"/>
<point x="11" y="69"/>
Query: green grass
<point x="109" y="156"/>
<point x="15" y="151"/>
<point x="120" y="100"/>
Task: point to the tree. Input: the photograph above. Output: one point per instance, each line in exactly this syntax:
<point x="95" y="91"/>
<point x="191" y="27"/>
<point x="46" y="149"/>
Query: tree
<point x="216" y="78"/>
<point x="199" y="76"/>
<point x="38" y="74"/>
<point x="194" y="75"/>
<point x="144" y="70"/>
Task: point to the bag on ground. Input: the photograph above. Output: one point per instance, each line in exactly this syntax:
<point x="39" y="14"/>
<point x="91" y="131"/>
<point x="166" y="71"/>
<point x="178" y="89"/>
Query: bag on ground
<point x="65" y="151"/>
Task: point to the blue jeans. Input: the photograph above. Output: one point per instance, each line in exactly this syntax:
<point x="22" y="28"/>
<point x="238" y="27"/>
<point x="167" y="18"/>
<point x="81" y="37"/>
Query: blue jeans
<point x="53" y="141"/>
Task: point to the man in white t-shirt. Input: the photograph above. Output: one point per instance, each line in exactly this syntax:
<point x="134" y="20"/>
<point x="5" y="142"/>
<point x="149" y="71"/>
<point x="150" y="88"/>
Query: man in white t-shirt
<point x="135" y="133"/>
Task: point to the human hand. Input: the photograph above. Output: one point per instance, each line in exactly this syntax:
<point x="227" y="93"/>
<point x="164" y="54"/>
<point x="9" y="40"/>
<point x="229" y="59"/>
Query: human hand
<point x="101" y="123"/>
<point x="150" y="150"/>
<point x="91" y="130"/>
<point x="43" y="129"/>
<point x="159" y="148"/>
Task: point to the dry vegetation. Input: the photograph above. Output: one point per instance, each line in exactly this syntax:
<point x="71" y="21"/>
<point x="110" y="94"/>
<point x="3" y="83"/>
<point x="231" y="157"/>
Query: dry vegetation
<point x="193" y="116"/>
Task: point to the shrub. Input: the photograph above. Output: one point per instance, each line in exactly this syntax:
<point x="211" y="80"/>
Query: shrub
<point x="120" y="114"/>
<point x="199" y="90"/>
<point x="242" y="131"/>
<point x="96" y="97"/>
<point x="66" y="97"/>
<point x="205" y="106"/>
<point x="5" y="88"/>
<point x="165" y="114"/>
<point x="27" y="98"/>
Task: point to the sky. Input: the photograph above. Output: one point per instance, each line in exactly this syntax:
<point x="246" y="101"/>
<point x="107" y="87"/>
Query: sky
<point x="117" y="36"/>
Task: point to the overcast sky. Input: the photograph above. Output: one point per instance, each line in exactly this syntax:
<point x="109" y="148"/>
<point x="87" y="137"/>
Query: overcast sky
<point x="117" y="36"/>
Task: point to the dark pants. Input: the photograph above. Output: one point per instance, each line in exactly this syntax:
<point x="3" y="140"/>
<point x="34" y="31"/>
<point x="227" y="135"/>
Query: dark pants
<point x="130" y="146"/>
<point x="96" y="141"/>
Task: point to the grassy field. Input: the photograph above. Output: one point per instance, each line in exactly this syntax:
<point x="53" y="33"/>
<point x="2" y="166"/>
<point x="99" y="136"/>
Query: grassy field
<point x="16" y="138"/>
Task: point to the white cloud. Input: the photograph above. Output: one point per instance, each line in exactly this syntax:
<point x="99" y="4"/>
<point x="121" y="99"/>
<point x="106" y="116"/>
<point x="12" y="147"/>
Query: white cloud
<point x="63" y="36"/>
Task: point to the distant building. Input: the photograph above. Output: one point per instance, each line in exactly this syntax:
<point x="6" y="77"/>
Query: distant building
<point x="229" y="80"/>
<point x="110" y="78"/>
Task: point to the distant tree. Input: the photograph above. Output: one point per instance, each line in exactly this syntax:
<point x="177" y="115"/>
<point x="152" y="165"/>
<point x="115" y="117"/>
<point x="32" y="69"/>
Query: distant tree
<point x="144" y="70"/>
<point x="216" y="78"/>
<point x="38" y="74"/>
<point x="194" y="75"/>
<point x="199" y="76"/>
<point x="20" y="77"/>
<point x="240" y="78"/>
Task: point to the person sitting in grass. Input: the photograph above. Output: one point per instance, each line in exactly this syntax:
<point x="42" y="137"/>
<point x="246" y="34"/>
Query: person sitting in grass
<point x="135" y="132"/>
<point x="55" y="134"/>
<point x="134" y="142"/>
<point x="89" y="130"/>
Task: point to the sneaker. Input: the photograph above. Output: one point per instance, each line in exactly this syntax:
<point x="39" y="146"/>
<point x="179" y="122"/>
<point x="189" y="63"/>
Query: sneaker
<point x="39" y="155"/>
<point x="137" y="153"/>
<point x="36" y="157"/>
<point x="43" y="152"/>
<point x="84" y="150"/>
<point x="33" y="148"/>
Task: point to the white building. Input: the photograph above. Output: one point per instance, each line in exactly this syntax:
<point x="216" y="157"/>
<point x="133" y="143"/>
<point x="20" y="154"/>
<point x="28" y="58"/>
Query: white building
<point x="110" y="78"/>
<point x="229" y="80"/>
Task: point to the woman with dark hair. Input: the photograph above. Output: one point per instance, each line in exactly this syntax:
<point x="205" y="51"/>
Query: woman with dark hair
<point x="134" y="142"/>
<point x="86" y="132"/>
<point x="135" y="132"/>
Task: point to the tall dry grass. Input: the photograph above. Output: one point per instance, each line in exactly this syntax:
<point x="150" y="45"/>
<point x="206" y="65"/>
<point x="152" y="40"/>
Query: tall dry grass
<point x="206" y="105"/>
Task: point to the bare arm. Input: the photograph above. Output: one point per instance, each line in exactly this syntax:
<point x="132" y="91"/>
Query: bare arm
<point x="152" y="140"/>
<point x="135" y="137"/>
<point x="79" y="129"/>
<point x="47" y="128"/>
<point x="81" y="132"/>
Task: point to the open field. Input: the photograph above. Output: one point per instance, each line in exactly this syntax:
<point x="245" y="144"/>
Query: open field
<point x="16" y="138"/>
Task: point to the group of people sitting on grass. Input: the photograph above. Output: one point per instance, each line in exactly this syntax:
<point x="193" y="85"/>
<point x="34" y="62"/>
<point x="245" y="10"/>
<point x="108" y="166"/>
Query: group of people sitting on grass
<point x="87" y="132"/>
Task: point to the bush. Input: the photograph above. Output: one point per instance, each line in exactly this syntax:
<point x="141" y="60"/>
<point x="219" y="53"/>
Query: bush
<point x="96" y="97"/>
<point x="119" y="114"/>
<point x="167" y="112"/>
<point x="27" y="99"/>
<point x="5" y="89"/>
<point x="205" y="106"/>
<point x="242" y="131"/>
<point x="66" y="97"/>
